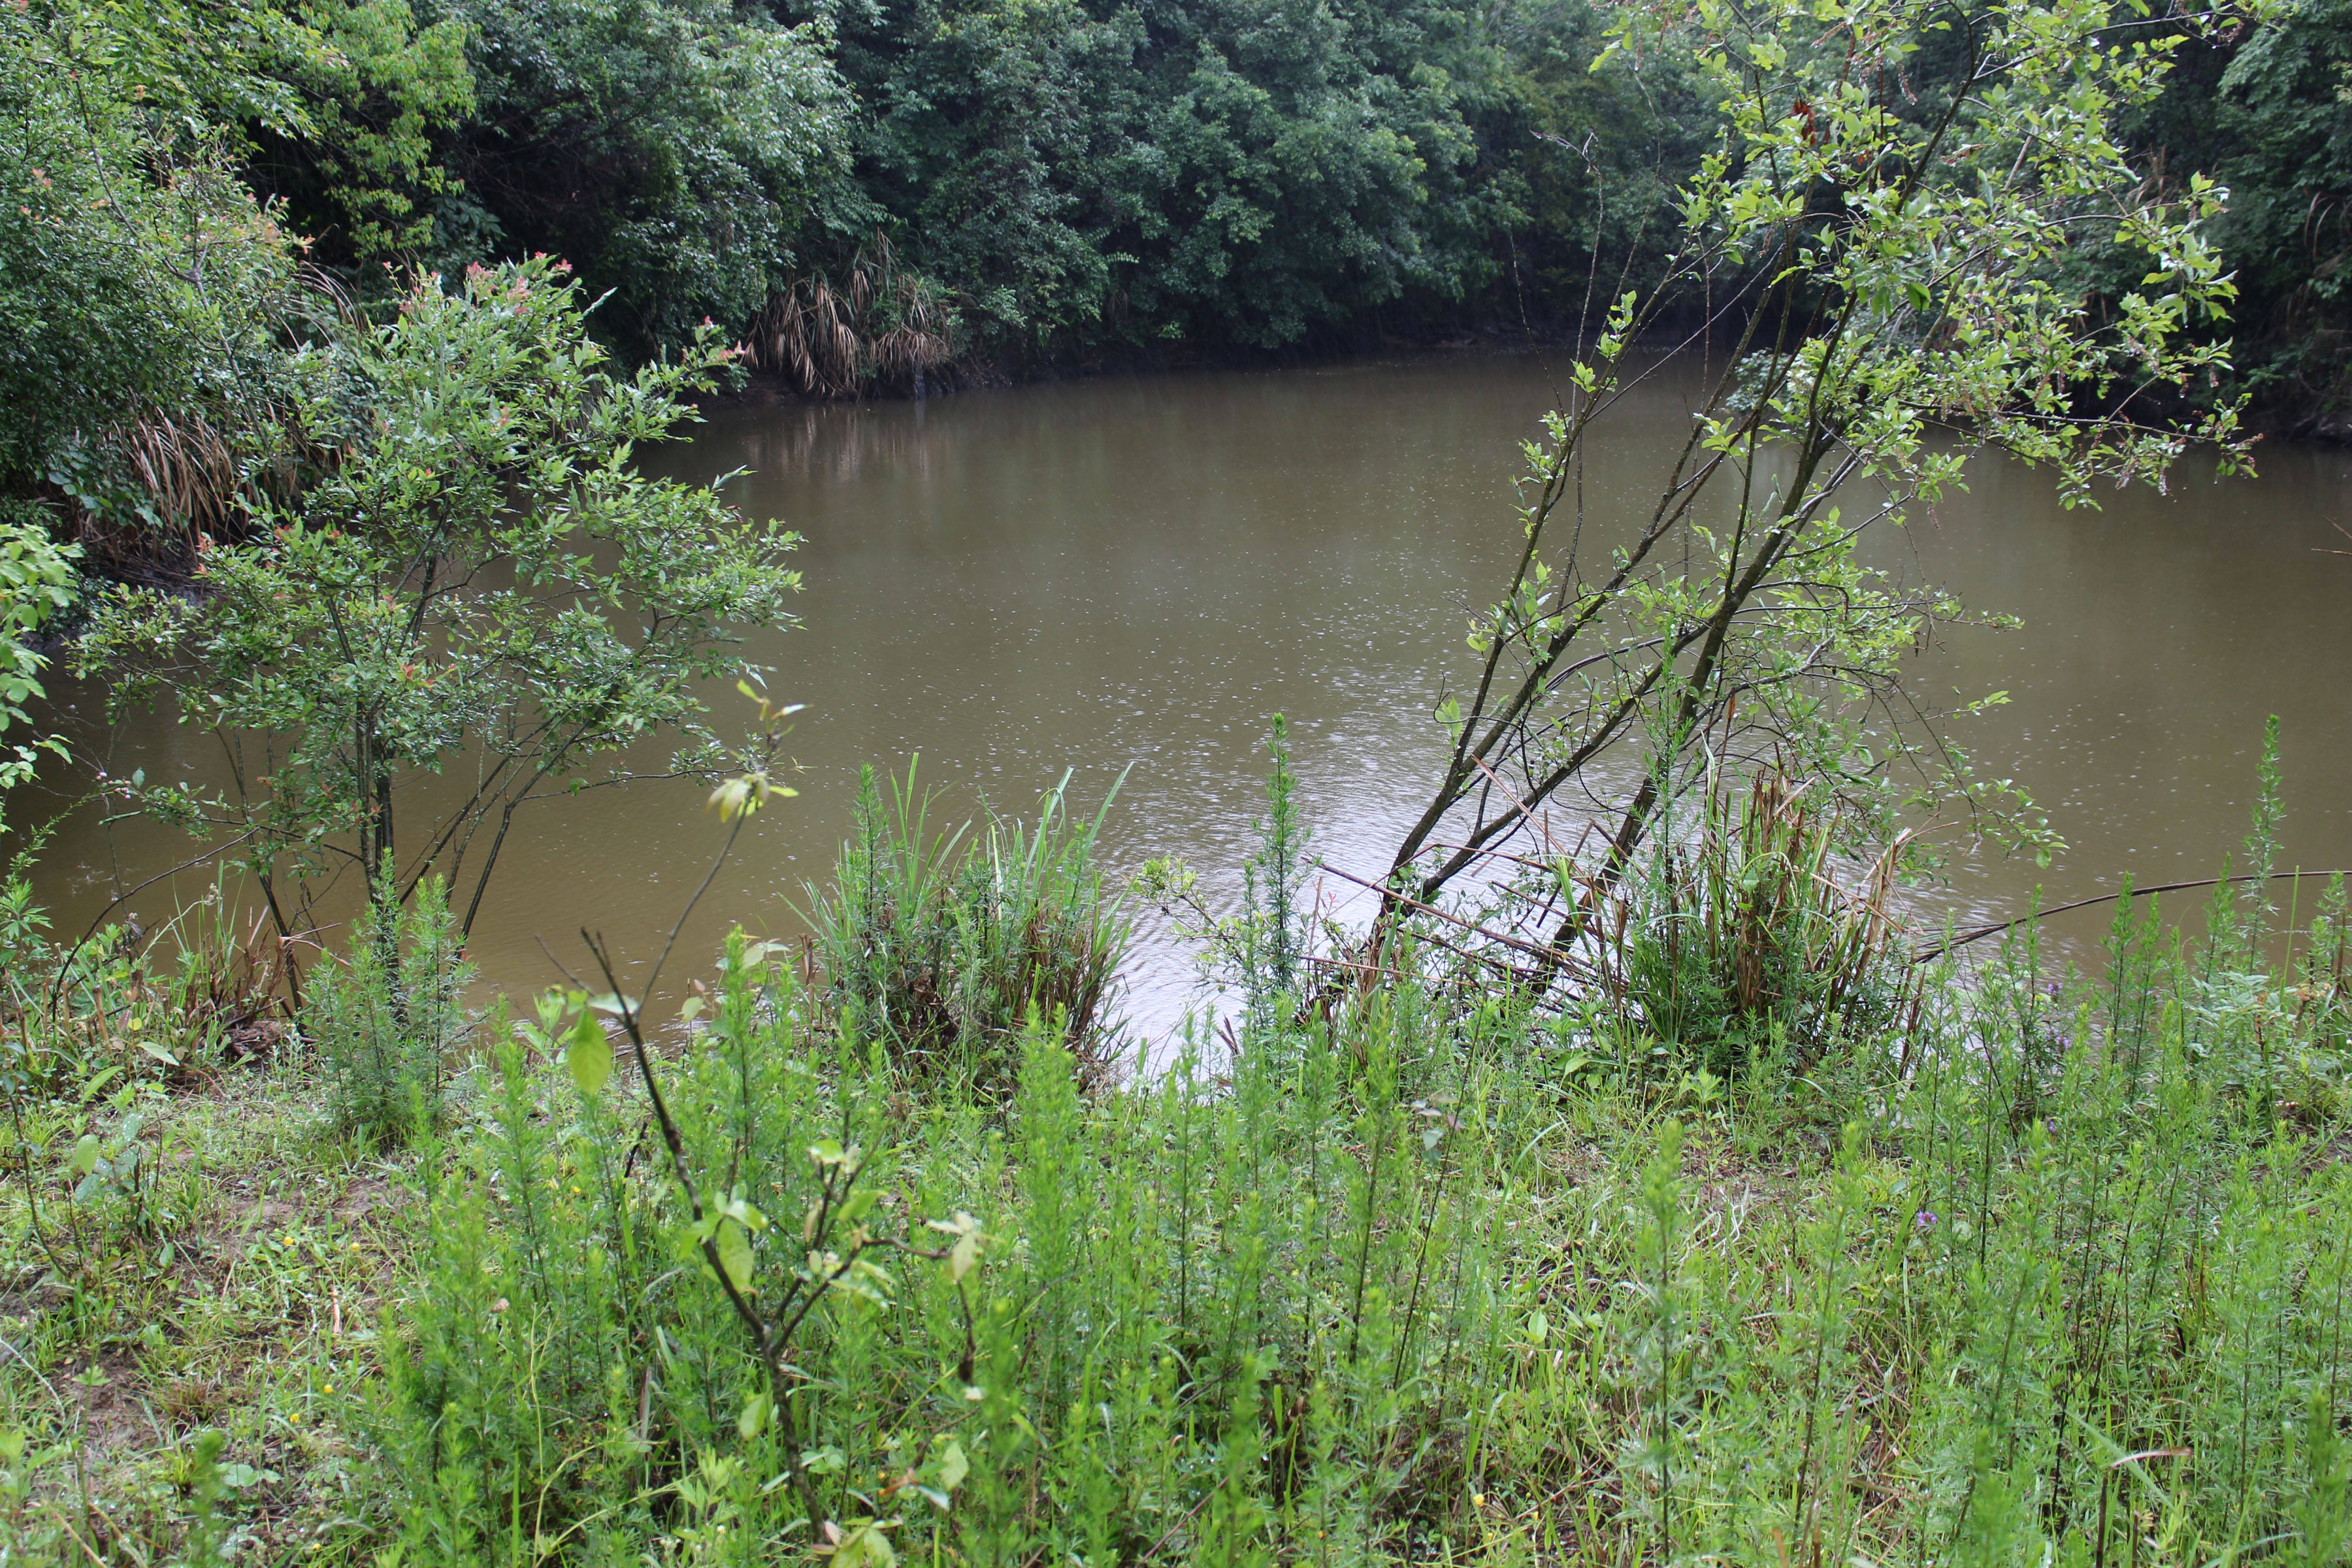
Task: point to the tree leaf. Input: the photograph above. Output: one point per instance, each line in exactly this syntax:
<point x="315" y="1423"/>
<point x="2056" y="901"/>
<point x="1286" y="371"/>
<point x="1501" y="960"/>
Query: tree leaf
<point x="589" y="1055"/>
<point x="735" y="1253"/>
<point x="868" y="1547"/>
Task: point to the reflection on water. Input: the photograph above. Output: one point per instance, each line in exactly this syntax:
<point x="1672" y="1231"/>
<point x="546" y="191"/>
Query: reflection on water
<point x="1130" y="575"/>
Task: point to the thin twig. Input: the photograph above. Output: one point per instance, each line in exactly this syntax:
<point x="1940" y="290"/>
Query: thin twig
<point x="1532" y="950"/>
<point x="1983" y="932"/>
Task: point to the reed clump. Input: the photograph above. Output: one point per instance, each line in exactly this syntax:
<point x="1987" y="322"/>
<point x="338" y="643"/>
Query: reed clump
<point x="1738" y="938"/>
<point x="942" y="942"/>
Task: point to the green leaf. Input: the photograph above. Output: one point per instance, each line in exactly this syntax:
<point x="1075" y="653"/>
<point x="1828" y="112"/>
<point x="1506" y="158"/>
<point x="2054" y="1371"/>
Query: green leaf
<point x="735" y="1255"/>
<point x="953" y="1466"/>
<point x="589" y="1055"/>
<point x="866" y="1547"/>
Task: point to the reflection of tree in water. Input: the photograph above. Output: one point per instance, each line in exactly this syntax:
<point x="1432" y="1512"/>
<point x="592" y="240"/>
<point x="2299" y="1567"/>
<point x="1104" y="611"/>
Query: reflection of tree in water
<point x="844" y="442"/>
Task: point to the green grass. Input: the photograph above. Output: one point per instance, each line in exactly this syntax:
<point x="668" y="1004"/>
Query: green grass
<point x="937" y="942"/>
<point x="2047" y="1271"/>
<point x="233" y="1285"/>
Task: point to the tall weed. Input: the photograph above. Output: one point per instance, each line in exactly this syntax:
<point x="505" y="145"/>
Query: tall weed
<point x="1380" y="1287"/>
<point x="387" y="1020"/>
<point x="1736" y="941"/>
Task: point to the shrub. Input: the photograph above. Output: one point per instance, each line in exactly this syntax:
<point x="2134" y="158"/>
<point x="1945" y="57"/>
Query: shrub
<point x="387" y="1020"/>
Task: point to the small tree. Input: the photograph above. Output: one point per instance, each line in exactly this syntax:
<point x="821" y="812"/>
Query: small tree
<point x="1886" y="231"/>
<point x="483" y="582"/>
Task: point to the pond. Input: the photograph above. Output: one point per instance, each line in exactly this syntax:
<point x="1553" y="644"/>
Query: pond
<point x="1128" y="576"/>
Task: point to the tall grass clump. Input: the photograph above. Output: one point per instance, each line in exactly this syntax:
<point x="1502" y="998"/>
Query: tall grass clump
<point x="387" y="1020"/>
<point x="205" y="986"/>
<point x="942" y="941"/>
<point x="1736" y="939"/>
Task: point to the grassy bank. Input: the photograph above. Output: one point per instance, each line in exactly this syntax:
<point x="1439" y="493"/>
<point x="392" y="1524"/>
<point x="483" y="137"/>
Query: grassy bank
<point x="2035" y="1268"/>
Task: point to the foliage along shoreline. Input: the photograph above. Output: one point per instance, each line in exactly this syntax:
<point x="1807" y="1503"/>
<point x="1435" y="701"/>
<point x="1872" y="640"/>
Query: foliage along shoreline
<point x="2269" y="423"/>
<point x="860" y="1260"/>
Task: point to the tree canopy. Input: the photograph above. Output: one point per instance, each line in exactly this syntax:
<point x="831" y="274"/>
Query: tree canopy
<point x="1000" y="183"/>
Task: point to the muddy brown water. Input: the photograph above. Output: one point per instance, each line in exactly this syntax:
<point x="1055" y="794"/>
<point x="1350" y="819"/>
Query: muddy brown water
<point x="1130" y="575"/>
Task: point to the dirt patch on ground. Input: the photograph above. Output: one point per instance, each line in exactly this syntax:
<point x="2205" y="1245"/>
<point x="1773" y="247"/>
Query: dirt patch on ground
<point x="104" y="1394"/>
<point x="368" y="1198"/>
